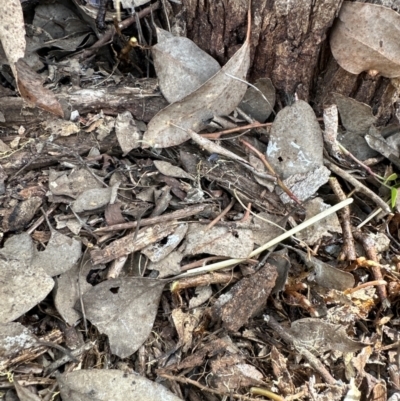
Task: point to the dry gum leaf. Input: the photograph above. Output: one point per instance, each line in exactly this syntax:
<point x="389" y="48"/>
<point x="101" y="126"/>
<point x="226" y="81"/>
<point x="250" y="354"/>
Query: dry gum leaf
<point x="366" y="37"/>
<point x="12" y="31"/>
<point x="181" y="65"/>
<point x="31" y="89"/>
<point x="125" y="310"/>
<point x="218" y="96"/>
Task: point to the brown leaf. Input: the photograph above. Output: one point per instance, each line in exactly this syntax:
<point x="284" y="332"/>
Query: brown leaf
<point x="218" y="96"/>
<point x="365" y="37"/>
<point x="31" y="89"/>
<point x="181" y="65"/>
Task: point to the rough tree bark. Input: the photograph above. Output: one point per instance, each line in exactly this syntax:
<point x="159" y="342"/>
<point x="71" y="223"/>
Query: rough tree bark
<point x="290" y="46"/>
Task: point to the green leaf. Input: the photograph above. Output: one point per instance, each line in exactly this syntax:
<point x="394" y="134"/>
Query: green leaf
<point x="393" y="193"/>
<point x="392" y="177"/>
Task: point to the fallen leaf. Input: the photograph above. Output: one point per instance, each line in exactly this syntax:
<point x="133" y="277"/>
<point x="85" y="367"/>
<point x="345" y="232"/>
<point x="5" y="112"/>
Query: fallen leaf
<point x="14" y="338"/>
<point x="24" y="394"/>
<point x="169" y="266"/>
<point x="26" y="286"/>
<point x="365" y="37"/>
<point x="355" y="116"/>
<point x="127" y="132"/>
<point x="158" y="251"/>
<point x="170" y="170"/>
<point x="296" y="143"/>
<point x="259" y="104"/>
<point x="311" y="235"/>
<point x="319" y="336"/>
<point x="60" y="255"/>
<point x="324" y="274"/>
<point x="218" y="241"/>
<point x="12" y="31"/>
<point x="68" y="290"/>
<point x="109" y="384"/>
<point x="217" y="96"/>
<point x="31" y="89"/>
<point x="92" y="199"/>
<point x="124" y="309"/>
<point x="72" y="184"/>
<point x="181" y="66"/>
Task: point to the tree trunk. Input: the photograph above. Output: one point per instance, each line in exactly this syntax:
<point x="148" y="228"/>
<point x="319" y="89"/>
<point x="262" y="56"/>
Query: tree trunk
<point x="289" y="45"/>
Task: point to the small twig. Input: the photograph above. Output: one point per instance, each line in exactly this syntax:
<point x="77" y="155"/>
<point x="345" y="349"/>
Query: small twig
<point x="221" y="215"/>
<point x="349" y="251"/>
<point x="358" y="186"/>
<point x="247" y="213"/>
<point x="217" y="135"/>
<point x="212" y="147"/>
<point x="40" y="220"/>
<point x="201" y="262"/>
<point x="178" y="214"/>
<point x="288" y="338"/>
<point x="205" y="280"/>
<point x="106" y="38"/>
<point x="359" y="162"/>
<point x="369" y="247"/>
<point x="272" y="171"/>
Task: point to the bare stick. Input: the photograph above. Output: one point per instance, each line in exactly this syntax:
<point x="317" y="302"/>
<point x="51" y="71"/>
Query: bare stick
<point x="357" y="185"/>
<point x="178" y="214"/>
<point x="349" y="250"/>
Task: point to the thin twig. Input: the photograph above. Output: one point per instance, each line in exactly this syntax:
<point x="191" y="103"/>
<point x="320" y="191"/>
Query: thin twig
<point x="272" y="171"/>
<point x="349" y="250"/>
<point x="178" y="214"/>
<point x="106" y="38"/>
<point x="217" y="135"/>
<point x="370" y="249"/>
<point x="221" y="215"/>
<point x="357" y="185"/>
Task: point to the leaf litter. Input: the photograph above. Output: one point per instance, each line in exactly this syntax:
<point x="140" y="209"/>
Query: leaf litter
<point x="168" y="262"/>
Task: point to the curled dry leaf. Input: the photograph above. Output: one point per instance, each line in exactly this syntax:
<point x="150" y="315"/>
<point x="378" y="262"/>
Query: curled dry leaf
<point x="181" y="65"/>
<point x="365" y="37"/>
<point x="170" y="170"/>
<point x="12" y="31"/>
<point x="218" y="96"/>
<point x="31" y="89"/>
